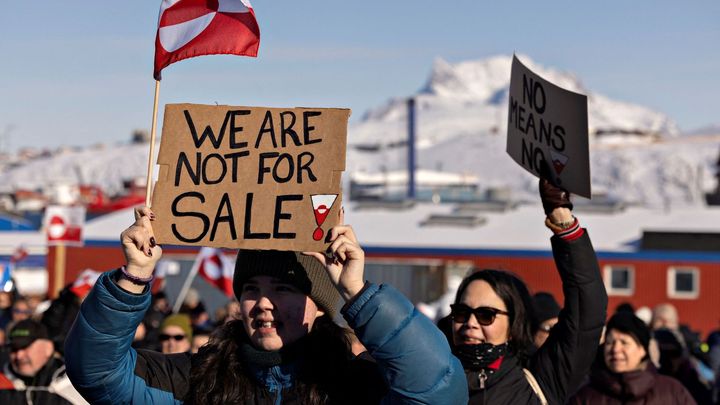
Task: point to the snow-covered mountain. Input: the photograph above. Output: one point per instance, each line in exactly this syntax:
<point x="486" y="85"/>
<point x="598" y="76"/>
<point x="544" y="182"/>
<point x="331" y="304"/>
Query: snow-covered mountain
<point x="471" y="98"/>
<point x="461" y="124"/>
<point x="460" y="127"/>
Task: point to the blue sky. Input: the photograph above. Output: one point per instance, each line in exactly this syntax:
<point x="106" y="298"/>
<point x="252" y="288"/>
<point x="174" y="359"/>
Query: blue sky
<point x="80" y="72"/>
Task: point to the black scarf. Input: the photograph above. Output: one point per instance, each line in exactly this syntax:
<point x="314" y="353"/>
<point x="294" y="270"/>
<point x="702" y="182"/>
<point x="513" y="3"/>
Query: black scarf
<point x="265" y="359"/>
<point x="480" y="356"/>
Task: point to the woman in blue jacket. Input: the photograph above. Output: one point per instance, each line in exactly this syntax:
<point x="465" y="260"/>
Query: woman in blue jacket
<point x="285" y="348"/>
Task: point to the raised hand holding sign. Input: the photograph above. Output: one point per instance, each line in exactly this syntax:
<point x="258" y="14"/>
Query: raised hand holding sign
<point x="249" y="177"/>
<point x="548" y="128"/>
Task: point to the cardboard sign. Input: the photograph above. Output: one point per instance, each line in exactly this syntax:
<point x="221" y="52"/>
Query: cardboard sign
<point x="548" y="127"/>
<point x="64" y="224"/>
<point x="249" y="177"/>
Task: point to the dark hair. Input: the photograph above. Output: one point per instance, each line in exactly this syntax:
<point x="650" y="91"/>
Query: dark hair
<point x="219" y="376"/>
<point x="514" y="293"/>
<point x="625" y="307"/>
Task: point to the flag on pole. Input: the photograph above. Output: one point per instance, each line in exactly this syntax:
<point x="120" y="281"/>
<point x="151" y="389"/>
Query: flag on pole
<point x="189" y="28"/>
<point x="19" y="254"/>
<point x="85" y="282"/>
<point x="216" y="269"/>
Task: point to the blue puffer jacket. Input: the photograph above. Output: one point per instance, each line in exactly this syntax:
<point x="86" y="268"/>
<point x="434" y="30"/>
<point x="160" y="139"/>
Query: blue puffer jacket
<point x="411" y="353"/>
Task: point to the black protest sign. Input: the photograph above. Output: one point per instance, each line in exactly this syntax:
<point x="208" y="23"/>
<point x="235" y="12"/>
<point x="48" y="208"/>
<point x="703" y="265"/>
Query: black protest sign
<point x="548" y="130"/>
<point x="249" y="177"/>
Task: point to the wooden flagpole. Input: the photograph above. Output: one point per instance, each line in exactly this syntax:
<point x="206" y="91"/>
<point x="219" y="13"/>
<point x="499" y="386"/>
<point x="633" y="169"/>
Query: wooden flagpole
<point x="151" y="158"/>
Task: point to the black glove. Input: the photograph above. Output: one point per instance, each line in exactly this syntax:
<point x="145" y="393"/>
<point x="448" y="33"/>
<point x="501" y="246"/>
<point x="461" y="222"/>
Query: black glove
<point x="553" y="197"/>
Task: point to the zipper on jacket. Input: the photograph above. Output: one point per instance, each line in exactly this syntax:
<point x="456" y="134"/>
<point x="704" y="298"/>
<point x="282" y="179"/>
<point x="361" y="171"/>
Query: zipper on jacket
<point x="482" y="377"/>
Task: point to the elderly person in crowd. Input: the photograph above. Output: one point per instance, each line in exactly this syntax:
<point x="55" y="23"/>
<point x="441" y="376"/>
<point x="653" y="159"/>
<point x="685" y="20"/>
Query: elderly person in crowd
<point x="626" y="376"/>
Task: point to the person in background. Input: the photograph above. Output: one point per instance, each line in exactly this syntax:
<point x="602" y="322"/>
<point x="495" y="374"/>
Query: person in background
<point x="192" y="300"/>
<point x="492" y="316"/>
<point x="176" y="334"/>
<point x="681" y="355"/>
<point x="625" y="307"/>
<point x="228" y="312"/>
<point x="625" y="375"/>
<point x="7" y="296"/>
<point x="665" y="316"/>
<point x="200" y="318"/>
<point x="713" y="344"/>
<point x="158" y="311"/>
<point x="200" y="337"/>
<point x="545" y="316"/>
<point x="34" y="373"/>
<point x="21" y="310"/>
<point x="645" y="314"/>
<point x="285" y="348"/>
<point x="58" y="318"/>
<point x="675" y="361"/>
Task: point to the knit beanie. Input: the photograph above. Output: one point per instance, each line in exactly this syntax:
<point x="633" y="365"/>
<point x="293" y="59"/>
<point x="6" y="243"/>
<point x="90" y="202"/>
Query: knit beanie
<point x="627" y="322"/>
<point x="180" y="320"/>
<point x="544" y="307"/>
<point x="304" y="272"/>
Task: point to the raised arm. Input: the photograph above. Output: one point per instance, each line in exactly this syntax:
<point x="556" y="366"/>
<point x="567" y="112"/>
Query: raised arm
<point x="99" y="359"/>
<point x="413" y="354"/>
<point x="565" y="358"/>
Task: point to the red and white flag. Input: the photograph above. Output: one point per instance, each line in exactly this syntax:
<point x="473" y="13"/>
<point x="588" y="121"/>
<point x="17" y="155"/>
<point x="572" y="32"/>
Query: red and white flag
<point x="189" y="28"/>
<point x="64" y="225"/>
<point x="84" y="282"/>
<point x="216" y="269"/>
<point x="19" y="254"/>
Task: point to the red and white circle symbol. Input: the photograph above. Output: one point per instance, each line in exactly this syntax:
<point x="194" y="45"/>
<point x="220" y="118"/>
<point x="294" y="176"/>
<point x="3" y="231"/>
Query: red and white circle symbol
<point x="182" y="23"/>
<point x="56" y="227"/>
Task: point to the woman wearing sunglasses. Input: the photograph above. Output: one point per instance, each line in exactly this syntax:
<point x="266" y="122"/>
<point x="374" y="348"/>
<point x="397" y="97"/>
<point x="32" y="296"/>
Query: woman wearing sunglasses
<point x="285" y="346"/>
<point x="491" y="321"/>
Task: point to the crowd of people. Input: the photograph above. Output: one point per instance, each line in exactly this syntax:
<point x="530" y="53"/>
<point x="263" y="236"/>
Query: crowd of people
<point x="279" y="340"/>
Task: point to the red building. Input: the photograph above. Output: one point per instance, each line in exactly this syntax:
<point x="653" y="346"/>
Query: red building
<point x="647" y="256"/>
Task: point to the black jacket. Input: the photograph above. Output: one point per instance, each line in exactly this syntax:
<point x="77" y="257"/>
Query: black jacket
<point x="560" y="365"/>
<point x="60" y="316"/>
<point x="361" y="383"/>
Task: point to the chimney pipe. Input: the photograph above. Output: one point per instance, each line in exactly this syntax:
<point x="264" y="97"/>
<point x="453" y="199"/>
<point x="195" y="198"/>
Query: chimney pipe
<point x="411" y="148"/>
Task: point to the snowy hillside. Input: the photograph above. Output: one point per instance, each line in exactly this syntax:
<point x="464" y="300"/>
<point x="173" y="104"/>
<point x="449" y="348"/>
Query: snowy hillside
<point x="471" y="98"/>
<point x="107" y="166"/>
<point x="460" y="122"/>
<point x="673" y="172"/>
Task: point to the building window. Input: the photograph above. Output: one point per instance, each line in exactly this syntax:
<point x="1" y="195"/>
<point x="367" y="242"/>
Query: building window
<point x="683" y="282"/>
<point x="619" y="279"/>
<point x="419" y="281"/>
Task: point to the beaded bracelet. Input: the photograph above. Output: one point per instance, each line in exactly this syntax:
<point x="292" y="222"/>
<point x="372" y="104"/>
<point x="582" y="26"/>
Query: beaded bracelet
<point x="134" y="279"/>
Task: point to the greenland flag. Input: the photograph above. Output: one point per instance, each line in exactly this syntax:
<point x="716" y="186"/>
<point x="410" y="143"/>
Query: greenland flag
<point x="189" y="28"/>
<point x="85" y="282"/>
<point x="216" y="269"/>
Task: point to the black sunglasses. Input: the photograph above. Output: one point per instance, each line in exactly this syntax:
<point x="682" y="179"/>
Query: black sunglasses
<point x="485" y="316"/>
<point x="164" y="337"/>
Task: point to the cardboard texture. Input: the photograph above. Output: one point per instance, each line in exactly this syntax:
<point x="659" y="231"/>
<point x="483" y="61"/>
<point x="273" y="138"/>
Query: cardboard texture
<point x="549" y="124"/>
<point x="249" y="177"/>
